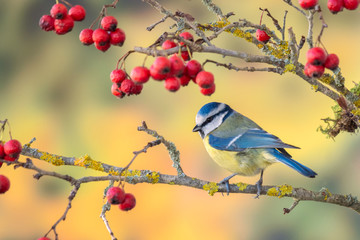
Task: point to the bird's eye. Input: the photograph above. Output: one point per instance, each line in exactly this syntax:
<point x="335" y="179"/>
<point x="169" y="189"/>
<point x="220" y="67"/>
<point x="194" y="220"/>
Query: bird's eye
<point x="209" y="119"/>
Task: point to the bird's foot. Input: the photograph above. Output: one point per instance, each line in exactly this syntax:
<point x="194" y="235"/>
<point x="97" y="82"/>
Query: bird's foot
<point x="258" y="186"/>
<point x="226" y="182"/>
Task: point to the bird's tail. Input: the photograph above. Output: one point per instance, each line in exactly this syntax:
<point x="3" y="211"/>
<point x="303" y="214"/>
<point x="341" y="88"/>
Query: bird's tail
<point x="294" y="164"/>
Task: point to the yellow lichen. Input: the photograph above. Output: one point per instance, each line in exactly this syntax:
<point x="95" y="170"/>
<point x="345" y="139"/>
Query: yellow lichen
<point x="357" y="103"/>
<point x="211" y="188"/>
<point x="52" y="158"/>
<point x="285" y="190"/>
<point x="113" y="172"/>
<point x="356" y="112"/>
<point x="171" y="183"/>
<point x="153" y="177"/>
<point x="315" y="87"/>
<point x="290" y="68"/>
<point x="327" y="79"/>
<point x="242" y="186"/>
<point x="273" y="192"/>
<point x="88" y="162"/>
<point x="133" y="173"/>
<point x="326" y="193"/>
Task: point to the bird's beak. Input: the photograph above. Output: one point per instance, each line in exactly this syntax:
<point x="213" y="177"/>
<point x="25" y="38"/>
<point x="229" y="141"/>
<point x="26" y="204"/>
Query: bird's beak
<point x="196" y="128"/>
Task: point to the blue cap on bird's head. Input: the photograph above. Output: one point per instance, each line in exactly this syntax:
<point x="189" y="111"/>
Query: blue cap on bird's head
<point x="210" y="117"/>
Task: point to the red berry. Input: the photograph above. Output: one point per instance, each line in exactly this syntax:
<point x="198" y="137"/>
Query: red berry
<point x="162" y="64"/>
<point x="186" y="36"/>
<point x="177" y="65"/>
<point x="335" y="6"/>
<point x="85" y="36"/>
<point x="193" y="67"/>
<point x="315" y="71"/>
<point x="332" y="61"/>
<point x="137" y="89"/>
<point x="64" y="25"/>
<point x="116" y="91"/>
<point x="167" y="44"/>
<point x="351" y="4"/>
<point x="103" y="48"/>
<point x="262" y="36"/>
<point x="9" y="158"/>
<point x="316" y="56"/>
<point x="12" y="148"/>
<point x="172" y="84"/>
<point x="58" y="11"/>
<point x="184" y="80"/>
<point x="127" y="86"/>
<point x="115" y="195"/>
<point x="2" y="153"/>
<point x="101" y="37"/>
<point x="109" y="23"/>
<point x="47" y="23"/>
<point x="44" y="238"/>
<point x="77" y="13"/>
<point x="4" y="184"/>
<point x="129" y="202"/>
<point x="117" y="37"/>
<point x="156" y="74"/>
<point x="185" y="55"/>
<point x="140" y="74"/>
<point x="308" y="4"/>
<point x="208" y="91"/>
<point x="117" y="76"/>
<point x="204" y="79"/>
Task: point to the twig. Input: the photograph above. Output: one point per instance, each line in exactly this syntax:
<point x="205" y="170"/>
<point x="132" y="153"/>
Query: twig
<point x="275" y="21"/>
<point x="152" y="26"/>
<point x="310" y="19"/>
<point x="284" y="23"/>
<point x="213" y="8"/>
<point x="294" y="55"/>
<point x="292" y="5"/>
<point x="323" y="25"/>
<point x="106" y="208"/>
<point x="288" y="210"/>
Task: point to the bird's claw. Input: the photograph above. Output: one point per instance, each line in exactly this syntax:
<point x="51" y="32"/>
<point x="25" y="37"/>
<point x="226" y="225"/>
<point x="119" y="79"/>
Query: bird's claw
<point x="227" y="185"/>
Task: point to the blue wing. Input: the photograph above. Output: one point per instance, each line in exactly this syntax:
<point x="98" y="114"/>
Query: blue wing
<point x="252" y="138"/>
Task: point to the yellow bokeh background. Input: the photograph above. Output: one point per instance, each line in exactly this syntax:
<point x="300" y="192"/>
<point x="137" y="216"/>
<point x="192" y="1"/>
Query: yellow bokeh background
<point x="55" y="89"/>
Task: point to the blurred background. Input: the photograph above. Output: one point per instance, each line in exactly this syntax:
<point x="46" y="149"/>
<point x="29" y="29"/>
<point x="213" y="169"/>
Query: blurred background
<point x="57" y="90"/>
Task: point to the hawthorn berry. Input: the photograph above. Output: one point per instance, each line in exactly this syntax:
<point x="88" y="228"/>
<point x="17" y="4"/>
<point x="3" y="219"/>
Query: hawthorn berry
<point x="308" y="4"/>
<point x="208" y="91"/>
<point x="172" y="84"/>
<point x="167" y="44"/>
<point x="12" y="148"/>
<point x="186" y="36"/>
<point x="101" y="37"/>
<point x="2" y="153"/>
<point x="85" y="36"/>
<point x="204" y="79"/>
<point x="162" y="65"/>
<point x="77" y="13"/>
<point x="9" y="158"/>
<point x="137" y="89"/>
<point x="316" y="56"/>
<point x="332" y="61"/>
<point x="117" y="76"/>
<point x="44" y="238"/>
<point x="116" y="91"/>
<point x="177" y="65"/>
<point x="117" y="37"/>
<point x="315" y="71"/>
<point x="351" y="4"/>
<point x="185" y="55"/>
<point x="64" y="25"/>
<point x="140" y="74"/>
<point x="4" y="184"/>
<point x="262" y="36"/>
<point x="103" y="48"/>
<point x="127" y="86"/>
<point x="193" y="67"/>
<point x="335" y="6"/>
<point x="115" y="195"/>
<point x="184" y="80"/>
<point x="129" y="202"/>
<point x="58" y="11"/>
<point x="109" y="23"/>
<point x="47" y="23"/>
<point x="156" y="74"/>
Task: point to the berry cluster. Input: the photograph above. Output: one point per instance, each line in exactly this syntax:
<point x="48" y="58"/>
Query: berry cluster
<point x="60" y="19"/>
<point x="318" y="60"/>
<point x="9" y="151"/>
<point x="175" y="71"/>
<point x="109" y="34"/>
<point x="334" y="6"/>
<point x="117" y="196"/>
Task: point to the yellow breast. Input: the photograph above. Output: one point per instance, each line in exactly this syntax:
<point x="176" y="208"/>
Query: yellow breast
<point x="241" y="163"/>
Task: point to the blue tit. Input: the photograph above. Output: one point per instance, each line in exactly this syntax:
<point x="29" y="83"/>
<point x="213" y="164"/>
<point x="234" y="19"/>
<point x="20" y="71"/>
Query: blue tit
<point x="239" y="145"/>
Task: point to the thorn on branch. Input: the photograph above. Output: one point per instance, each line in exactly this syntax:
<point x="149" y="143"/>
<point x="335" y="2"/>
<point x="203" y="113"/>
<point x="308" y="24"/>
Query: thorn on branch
<point x="275" y="21"/>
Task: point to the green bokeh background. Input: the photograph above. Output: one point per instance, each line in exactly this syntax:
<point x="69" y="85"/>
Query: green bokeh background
<point x="55" y="89"/>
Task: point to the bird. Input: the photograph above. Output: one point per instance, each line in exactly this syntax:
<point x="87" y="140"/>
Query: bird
<point x="239" y="145"/>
